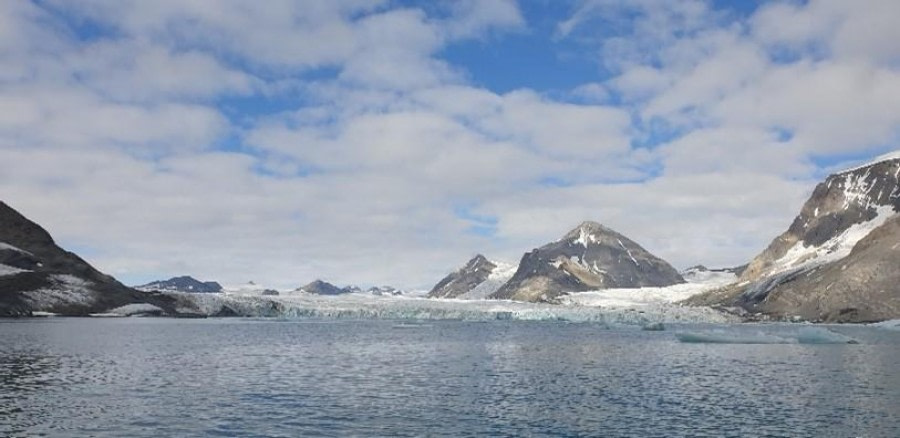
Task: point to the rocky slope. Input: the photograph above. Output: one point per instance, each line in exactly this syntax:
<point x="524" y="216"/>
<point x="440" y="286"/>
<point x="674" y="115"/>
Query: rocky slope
<point x="838" y="261"/>
<point x="479" y="278"/>
<point x="36" y="275"/>
<point x="319" y="287"/>
<point x="589" y="257"/>
<point x="185" y="283"/>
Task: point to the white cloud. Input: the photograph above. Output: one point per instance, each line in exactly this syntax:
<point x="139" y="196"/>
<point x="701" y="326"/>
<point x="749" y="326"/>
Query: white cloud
<point x="380" y="153"/>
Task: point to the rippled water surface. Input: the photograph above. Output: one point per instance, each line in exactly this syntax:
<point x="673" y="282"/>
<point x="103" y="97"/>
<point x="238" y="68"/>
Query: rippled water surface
<point x="239" y="377"/>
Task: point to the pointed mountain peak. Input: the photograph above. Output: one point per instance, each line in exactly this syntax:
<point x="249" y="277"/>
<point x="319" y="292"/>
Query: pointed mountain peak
<point x="589" y="232"/>
<point x="477" y="261"/>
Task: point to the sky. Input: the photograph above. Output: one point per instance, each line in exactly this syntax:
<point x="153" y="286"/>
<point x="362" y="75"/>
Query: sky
<point x="387" y="142"/>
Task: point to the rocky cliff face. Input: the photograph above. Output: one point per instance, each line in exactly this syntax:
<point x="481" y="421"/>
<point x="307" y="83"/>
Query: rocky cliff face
<point x="589" y="257"/>
<point x="38" y="275"/>
<point x="835" y="261"/>
<point x="182" y="284"/>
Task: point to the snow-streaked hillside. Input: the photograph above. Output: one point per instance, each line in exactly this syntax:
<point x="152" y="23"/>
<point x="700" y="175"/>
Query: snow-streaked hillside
<point x="498" y="276"/>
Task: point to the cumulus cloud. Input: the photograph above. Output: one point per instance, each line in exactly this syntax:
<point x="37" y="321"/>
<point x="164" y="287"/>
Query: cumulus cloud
<point x="335" y="139"/>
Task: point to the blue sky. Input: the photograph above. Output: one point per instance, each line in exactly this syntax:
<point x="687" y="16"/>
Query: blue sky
<point x="386" y="142"/>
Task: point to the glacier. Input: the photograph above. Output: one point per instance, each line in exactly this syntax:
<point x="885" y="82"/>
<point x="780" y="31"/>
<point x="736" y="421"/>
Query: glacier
<point x="368" y="306"/>
<point x="636" y="307"/>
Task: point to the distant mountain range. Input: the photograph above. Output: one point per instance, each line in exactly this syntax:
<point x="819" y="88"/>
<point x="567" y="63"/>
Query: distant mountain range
<point x="838" y="261"/>
<point x="319" y="287"/>
<point x="182" y="284"/>
<point x="589" y="257"/>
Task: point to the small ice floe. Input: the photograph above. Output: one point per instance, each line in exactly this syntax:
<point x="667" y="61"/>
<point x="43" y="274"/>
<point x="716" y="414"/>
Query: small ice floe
<point x="806" y="335"/>
<point x="410" y="325"/>
<point x="654" y="327"/>
<point x="818" y="335"/>
<point x="892" y="324"/>
<point x="723" y="337"/>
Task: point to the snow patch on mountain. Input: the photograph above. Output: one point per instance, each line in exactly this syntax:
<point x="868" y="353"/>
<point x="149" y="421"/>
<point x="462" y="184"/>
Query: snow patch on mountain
<point x="6" y="246"/>
<point x="801" y="256"/>
<point x="66" y="290"/>
<point x="6" y="270"/>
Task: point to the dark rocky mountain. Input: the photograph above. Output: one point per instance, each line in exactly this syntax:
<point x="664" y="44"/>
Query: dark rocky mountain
<point x="838" y="260"/>
<point x="37" y="275"/>
<point x="384" y="290"/>
<point x="475" y="272"/>
<point x="589" y="257"/>
<point x="320" y="287"/>
<point x="182" y="284"/>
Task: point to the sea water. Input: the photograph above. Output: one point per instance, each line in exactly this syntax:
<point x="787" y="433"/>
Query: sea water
<point x="319" y="377"/>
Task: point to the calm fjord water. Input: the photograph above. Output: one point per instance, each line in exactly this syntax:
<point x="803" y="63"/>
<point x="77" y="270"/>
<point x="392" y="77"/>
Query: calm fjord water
<point x="240" y="377"/>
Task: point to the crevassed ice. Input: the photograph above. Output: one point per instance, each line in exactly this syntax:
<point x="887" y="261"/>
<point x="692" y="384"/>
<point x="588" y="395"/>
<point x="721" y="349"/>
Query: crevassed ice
<point x="407" y="308"/>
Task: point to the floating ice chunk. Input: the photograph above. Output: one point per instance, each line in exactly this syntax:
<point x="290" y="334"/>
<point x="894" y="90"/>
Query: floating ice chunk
<point x="806" y="335"/>
<point x="410" y="325"/>
<point x="723" y="337"/>
<point x="818" y="335"/>
<point x="892" y="324"/>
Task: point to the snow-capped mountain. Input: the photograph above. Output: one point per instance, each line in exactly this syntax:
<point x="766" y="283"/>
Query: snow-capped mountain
<point x="702" y="274"/>
<point x="36" y="275"/>
<point x="838" y="260"/>
<point x="478" y="279"/>
<point x="182" y="284"/>
<point x="589" y="257"/>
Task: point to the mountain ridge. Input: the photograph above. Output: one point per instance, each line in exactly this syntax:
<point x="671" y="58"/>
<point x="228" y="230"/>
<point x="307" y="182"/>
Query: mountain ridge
<point x="591" y="256"/>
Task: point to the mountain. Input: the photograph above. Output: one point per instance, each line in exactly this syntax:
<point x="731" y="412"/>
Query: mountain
<point x="37" y="275"/>
<point x="840" y="258"/>
<point x="182" y="284"/>
<point x="478" y="279"/>
<point x="589" y="257"/>
<point x="320" y="287"/>
<point x="700" y="273"/>
<point x="383" y="290"/>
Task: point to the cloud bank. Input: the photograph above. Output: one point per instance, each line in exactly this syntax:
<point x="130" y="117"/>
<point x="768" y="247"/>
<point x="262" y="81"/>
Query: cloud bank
<point x="339" y="140"/>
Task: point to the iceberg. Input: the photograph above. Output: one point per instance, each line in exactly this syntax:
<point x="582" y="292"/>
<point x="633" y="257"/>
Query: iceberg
<point x="819" y="335"/>
<point x="891" y="324"/>
<point x="806" y="335"/>
<point x="723" y="337"/>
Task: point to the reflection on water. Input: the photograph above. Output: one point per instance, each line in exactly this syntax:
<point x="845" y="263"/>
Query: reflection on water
<point x="160" y="377"/>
